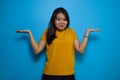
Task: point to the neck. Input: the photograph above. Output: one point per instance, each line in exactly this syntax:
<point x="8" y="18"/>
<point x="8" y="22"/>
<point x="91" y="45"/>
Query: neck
<point x="60" y="30"/>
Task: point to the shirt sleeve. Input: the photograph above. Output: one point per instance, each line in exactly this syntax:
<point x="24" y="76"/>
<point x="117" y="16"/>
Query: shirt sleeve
<point x="44" y="35"/>
<point x="74" y="34"/>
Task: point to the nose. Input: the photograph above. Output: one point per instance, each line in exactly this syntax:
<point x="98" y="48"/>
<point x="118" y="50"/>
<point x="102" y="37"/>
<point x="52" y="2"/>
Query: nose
<point x="61" y="21"/>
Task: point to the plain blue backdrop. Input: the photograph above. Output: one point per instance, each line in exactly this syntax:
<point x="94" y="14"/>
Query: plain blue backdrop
<point x="101" y="59"/>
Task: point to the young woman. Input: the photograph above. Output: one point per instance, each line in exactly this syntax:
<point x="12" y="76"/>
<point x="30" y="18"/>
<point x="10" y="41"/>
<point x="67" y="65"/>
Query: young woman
<point x="60" y="42"/>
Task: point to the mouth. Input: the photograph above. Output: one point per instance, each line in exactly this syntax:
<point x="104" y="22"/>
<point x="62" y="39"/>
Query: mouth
<point x="62" y="26"/>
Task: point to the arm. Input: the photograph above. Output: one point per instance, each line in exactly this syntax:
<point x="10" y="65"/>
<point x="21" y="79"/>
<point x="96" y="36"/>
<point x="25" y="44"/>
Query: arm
<point x="37" y="47"/>
<point x="80" y="47"/>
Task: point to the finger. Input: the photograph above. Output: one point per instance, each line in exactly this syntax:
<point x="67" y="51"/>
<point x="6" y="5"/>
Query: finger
<point x="95" y="30"/>
<point x="19" y="31"/>
<point x="98" y="30"/>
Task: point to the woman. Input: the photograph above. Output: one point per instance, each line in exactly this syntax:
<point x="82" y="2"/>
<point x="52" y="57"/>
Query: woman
<point x="60" y="42"/>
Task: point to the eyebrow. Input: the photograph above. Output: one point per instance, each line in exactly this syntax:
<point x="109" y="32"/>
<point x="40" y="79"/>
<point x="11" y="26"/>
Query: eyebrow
<point x="60" y="17"/>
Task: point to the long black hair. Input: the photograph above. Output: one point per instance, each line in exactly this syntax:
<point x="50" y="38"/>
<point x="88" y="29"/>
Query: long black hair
<point x="52" y="28"/>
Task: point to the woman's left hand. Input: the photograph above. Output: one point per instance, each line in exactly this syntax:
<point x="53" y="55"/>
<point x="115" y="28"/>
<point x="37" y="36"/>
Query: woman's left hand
<point x="93" y="30"/>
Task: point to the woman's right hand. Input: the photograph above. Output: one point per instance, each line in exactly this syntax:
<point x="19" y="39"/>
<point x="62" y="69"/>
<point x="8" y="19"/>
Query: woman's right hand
<point x="23" y="31"/>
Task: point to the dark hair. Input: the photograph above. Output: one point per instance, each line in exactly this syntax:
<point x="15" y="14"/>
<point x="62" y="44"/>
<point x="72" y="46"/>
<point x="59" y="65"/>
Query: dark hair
<point x="52" y="28"/>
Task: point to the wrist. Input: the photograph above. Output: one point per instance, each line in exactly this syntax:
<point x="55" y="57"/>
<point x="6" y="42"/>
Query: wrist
<point x="28" y="31"/>
<point x="87" y="33"/>
<point x="85" y="36"/>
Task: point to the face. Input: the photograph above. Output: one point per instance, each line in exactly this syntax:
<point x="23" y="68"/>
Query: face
<point x="61" y="21"/>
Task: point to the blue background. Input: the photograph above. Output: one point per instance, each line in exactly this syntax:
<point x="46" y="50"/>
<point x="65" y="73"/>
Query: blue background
<point x="100" y="60"/>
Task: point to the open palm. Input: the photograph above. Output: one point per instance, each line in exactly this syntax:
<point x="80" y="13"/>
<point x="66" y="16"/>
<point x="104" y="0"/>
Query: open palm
<point x="93" y="30"/>
<point x="22" y="31"/>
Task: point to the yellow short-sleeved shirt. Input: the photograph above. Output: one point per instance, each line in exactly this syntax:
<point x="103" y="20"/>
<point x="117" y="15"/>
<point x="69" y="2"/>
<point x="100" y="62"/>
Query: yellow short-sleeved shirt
<point x="60" y="54"/>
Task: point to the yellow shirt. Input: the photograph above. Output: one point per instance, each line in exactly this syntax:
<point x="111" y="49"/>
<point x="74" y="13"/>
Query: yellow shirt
<point x="60" y="54"/>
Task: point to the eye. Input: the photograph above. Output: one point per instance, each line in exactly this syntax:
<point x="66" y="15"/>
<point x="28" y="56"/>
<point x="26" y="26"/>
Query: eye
<point x="65" y="19"/>
<point x="58" y="19"/>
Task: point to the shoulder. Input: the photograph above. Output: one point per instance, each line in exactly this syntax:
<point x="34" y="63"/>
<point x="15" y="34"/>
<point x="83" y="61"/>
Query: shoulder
<point x="70" y="29"/>
<point x="45" y="30"/>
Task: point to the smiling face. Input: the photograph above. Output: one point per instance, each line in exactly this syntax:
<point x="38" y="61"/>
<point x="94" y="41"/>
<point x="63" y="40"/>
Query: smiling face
<point x="61" y="21"/>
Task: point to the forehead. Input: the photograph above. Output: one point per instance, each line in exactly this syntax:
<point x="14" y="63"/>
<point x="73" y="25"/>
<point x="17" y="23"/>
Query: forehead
<point x="60" y="15"/>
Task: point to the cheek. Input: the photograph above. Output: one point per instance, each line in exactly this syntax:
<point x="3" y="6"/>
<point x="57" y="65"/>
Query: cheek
<point x="66" y="22"/>
<point x="56" y="22"/>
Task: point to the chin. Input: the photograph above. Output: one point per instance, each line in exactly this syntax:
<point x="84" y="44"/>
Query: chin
<point x="60" y="29"/>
